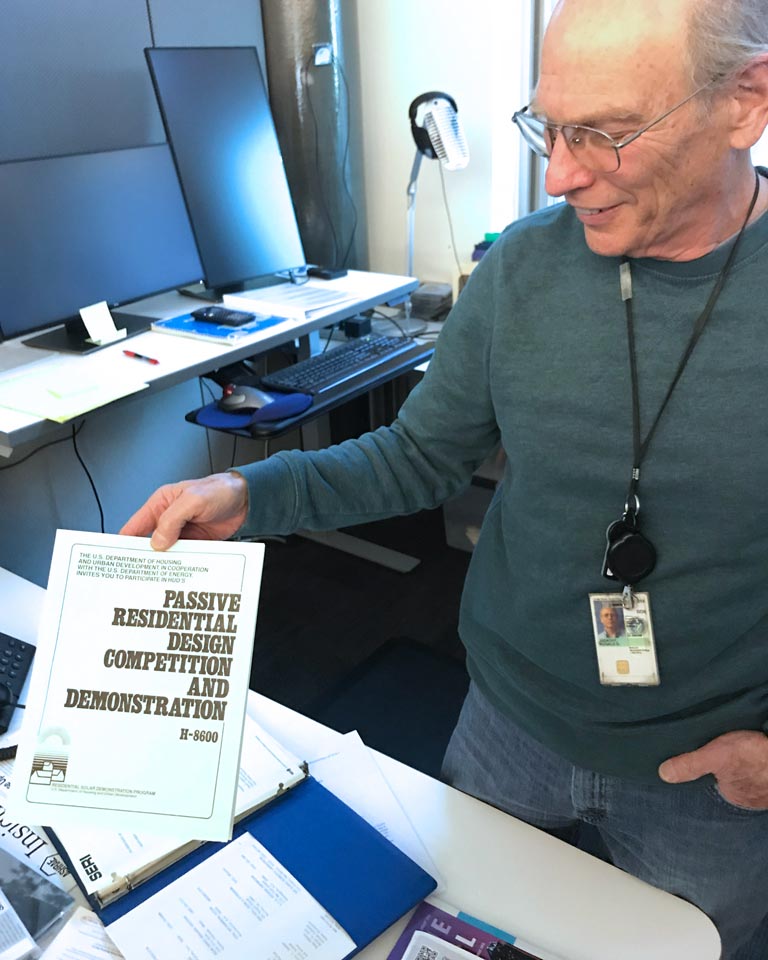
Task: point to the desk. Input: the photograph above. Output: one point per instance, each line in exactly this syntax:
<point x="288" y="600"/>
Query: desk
<point x="182" y="358"/>
<point x="520" y="879"/>
<point x="493" y="866"/>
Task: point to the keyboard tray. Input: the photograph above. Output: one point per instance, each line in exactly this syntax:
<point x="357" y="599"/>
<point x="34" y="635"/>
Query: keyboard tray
<point x="330" y="399"/>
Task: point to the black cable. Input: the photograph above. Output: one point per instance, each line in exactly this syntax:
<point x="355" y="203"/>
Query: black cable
<point x="318" y="165"/>
<point x="329" y="337"/>
<point x="344" y="181"/>
<point x="202" y="384"/>
<point x="90" y="478"/>
<point x="450" y="220"/>
<point x="151" y="27"/>
<point x="234" y="452"/>
<point x="50" y="443"/>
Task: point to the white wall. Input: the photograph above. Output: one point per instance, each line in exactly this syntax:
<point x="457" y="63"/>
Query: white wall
<point x="474" y="52"/>
<point x="760" y="151"/>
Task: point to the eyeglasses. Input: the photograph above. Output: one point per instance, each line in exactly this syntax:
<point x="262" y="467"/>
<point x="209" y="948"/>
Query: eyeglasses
<point x="594" y="149"/>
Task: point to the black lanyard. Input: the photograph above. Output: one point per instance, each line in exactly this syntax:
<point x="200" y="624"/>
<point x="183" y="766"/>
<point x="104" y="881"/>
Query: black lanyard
<point x="626" y="546"/>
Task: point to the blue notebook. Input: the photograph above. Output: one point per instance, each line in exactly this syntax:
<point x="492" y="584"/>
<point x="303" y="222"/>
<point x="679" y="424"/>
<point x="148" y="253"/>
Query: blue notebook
<point x="363" y="880"/>
<point x="187" y="326"/>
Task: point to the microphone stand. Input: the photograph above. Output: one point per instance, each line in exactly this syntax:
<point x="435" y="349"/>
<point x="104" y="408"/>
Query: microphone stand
<point x="419" y="326"/>
<point x="411" y="193"/>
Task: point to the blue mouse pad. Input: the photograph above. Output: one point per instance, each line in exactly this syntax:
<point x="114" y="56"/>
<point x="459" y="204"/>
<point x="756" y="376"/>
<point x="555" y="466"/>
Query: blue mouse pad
<point x="283" y="406"/>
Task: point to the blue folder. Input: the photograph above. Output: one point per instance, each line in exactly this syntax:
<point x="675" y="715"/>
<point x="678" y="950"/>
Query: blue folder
<point x="363" y="880"/>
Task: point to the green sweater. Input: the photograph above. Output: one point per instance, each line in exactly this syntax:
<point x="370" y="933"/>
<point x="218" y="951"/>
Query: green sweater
<point x="534" y="356"/>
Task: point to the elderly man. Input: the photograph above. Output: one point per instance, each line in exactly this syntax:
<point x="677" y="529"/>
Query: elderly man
<point x="615" y="346"/>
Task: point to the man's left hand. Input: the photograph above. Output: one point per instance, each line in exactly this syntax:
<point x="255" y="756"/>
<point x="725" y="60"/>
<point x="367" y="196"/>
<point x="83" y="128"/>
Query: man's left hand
<point x="739" y="762"/>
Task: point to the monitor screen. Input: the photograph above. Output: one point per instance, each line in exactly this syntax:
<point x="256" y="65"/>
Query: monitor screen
<point x="218" y="122"/>
<point x="84" y="228"/>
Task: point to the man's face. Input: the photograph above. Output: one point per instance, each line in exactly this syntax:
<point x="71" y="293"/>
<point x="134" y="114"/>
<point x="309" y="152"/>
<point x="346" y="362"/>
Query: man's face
<point x="616" y="67"/>
<point x="609" y="618"/>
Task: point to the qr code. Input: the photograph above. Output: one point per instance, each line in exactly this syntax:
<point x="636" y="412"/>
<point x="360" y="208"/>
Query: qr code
<point x="426" y="953"/>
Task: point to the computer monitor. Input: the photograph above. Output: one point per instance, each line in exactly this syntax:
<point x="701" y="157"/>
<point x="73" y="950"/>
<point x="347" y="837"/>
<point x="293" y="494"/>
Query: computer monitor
<point x="79" y="229"/>
<point x="219" y="125"/>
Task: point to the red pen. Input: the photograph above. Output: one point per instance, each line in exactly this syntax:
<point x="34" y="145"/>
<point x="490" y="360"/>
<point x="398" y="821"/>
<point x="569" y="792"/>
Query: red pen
<point x="139" y="356"/>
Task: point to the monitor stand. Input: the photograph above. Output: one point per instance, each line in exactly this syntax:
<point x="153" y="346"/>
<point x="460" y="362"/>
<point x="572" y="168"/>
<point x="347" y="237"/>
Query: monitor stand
<point x="199" y="291"/>
<point x="73" y="337"/>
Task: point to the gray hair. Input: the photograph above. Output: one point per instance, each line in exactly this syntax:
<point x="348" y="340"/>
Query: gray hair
<point x="724" y="36"/>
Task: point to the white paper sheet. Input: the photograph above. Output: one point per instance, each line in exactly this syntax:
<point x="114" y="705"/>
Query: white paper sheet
<point x="239" y="903"/>
<point x="67" y="386"/>
<point x="139" y="686"/>
<point x="100" y="324"/>
<point x="347" y="768"/>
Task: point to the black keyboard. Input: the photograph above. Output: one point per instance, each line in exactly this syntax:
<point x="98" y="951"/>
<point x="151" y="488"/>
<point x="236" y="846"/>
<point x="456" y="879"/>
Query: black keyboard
<point x="338" y="364"/>
<point x="15" y="661"/>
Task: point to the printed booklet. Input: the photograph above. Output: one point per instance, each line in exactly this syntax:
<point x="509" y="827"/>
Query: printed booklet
<point x="137" y="698"/>
<point x="434" y="933"/>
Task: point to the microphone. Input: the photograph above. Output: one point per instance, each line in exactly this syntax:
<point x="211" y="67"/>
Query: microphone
<point x="440" y="136"/>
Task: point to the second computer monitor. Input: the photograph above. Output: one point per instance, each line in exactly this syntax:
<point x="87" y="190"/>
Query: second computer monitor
<point x="219" y="124"/>
<point x="87" y="227"/>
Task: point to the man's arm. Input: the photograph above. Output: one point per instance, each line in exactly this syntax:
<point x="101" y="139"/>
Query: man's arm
<point x="209" y="509"/>
<point x="445" y="429"/>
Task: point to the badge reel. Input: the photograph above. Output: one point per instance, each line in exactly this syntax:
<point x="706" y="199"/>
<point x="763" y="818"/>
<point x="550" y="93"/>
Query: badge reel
<point x="629" y="556"/>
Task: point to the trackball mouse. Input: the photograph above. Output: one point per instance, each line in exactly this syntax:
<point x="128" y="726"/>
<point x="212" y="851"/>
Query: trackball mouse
<point x="238" y="398"/>
<point x="242" y="406"/>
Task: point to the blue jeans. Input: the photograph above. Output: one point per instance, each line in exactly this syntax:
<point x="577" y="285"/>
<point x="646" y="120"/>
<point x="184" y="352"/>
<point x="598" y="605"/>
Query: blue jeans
<point x="683" y="838"/>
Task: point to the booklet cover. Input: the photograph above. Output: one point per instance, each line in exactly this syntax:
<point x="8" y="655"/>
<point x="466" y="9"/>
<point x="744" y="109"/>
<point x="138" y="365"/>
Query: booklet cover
<point x="37" y="902"/>
<point x="138" y="692"/>
<point x="15" y="941"/>
<point x="433" y="933"/>
<point x="27" y="843"/>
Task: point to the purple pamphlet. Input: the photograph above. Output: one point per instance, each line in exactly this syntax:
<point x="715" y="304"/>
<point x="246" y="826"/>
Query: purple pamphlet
<point x="474" y="940"/>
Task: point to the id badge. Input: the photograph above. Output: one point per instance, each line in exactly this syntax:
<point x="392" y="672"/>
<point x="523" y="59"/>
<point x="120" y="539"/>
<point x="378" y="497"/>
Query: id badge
<point x="623" y="631"/>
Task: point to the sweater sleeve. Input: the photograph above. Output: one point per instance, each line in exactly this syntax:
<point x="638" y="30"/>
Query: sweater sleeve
<point x="444" y="430"/>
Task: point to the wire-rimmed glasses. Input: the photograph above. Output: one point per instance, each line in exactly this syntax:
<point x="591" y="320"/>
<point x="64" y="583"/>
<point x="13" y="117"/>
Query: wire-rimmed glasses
<point x="592" y="148"/>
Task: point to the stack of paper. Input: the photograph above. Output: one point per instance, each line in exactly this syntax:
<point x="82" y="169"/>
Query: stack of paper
<point x="66" y="387"/>
<point x="290" y="299"/>
<point x="127" y="859"/>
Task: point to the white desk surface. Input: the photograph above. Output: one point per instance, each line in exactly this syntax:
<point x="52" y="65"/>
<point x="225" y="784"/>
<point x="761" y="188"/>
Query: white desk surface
<point x="182" y="358"/>
<point x="492" y="866"/>
<point x="518" y="878"/>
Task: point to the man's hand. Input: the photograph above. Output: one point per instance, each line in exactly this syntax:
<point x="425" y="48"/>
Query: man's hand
<point x="209" y="509"/>
<point x="738" y="761"/>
